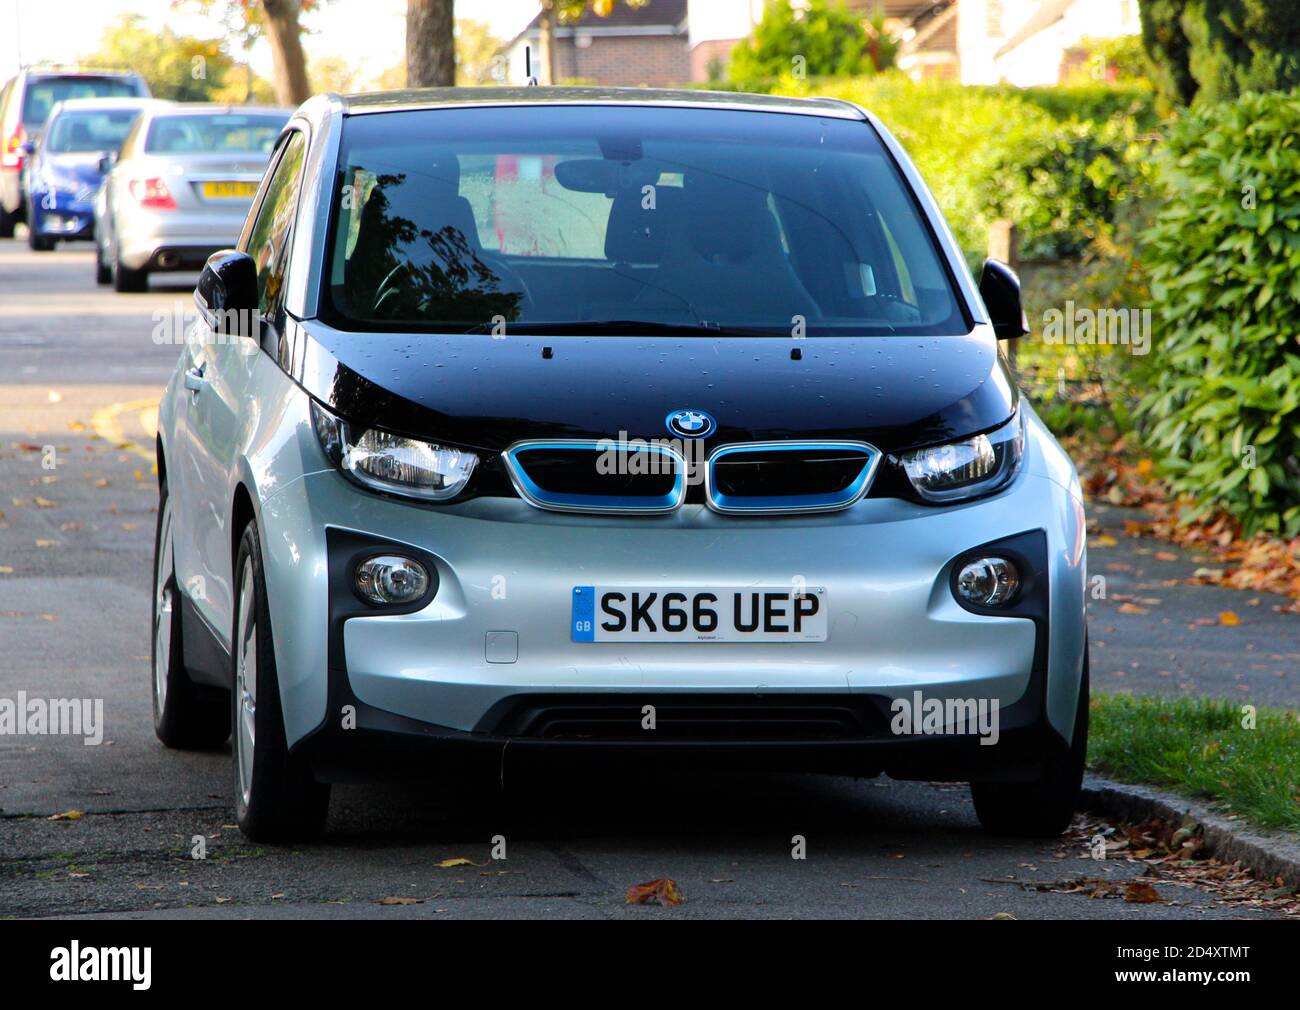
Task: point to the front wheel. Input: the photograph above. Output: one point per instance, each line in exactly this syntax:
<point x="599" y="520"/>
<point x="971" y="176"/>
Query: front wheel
<point x="38" y="243"/>
<point x="277" y="799"/>
<point x="1042" y="808"/>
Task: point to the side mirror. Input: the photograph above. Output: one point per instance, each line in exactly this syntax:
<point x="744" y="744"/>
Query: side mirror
<point x="106" y="162"/>
<point x="1000" y="289"/>
<point x="29" y="147"/>
<point x="227" y="293"/>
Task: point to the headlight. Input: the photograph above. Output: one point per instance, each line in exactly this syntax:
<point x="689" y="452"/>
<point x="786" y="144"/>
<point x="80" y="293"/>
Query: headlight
<point x="394" y="463"/>
<point x="968" y="468"/>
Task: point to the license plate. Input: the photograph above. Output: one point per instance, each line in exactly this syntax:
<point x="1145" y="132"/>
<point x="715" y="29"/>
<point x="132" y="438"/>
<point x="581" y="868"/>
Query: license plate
<point x="228" y="190"/>
<point x="732" y="614"/>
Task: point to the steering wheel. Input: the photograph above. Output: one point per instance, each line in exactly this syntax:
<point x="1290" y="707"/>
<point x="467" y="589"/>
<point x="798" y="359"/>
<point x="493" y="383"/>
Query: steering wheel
<point x="396" y="285"/>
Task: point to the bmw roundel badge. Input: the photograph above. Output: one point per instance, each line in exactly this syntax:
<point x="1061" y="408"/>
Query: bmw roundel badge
<point x="691" y="423"/>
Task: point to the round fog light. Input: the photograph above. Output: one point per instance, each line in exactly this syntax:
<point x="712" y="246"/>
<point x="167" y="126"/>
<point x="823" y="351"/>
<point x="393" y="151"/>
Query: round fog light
<point x="988" y="582"/>
<point x="391" y="579"/>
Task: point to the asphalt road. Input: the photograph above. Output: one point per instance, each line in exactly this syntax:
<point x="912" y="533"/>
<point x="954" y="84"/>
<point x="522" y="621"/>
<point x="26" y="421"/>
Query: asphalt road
<point x="79" y="370"/>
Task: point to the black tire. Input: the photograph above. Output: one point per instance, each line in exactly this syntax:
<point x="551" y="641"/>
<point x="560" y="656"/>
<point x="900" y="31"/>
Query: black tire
<point x="7" y="222"/>
<point x="283" y="801"/>
<point x="184" y="716"/>
<point x="103" y="274"/>
<point x="38" y="243"/>
<point x="1041" y="809"/>
<point x="126" y="280"/>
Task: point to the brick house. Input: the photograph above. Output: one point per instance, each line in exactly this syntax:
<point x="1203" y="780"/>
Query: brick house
<point x="629" y="47"/>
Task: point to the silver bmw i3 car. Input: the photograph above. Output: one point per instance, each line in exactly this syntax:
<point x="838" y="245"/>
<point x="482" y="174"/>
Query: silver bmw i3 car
<point x="593" y="423"/>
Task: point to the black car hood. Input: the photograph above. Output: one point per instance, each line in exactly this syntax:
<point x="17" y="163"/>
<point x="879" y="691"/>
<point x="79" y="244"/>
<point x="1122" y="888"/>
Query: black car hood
<point x="477" y="392"/>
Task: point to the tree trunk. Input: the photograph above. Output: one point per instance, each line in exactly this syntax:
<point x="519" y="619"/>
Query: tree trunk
<point x="287" y="60"/>
<point x="544" y="61"/>
<point x="430" y="44"/>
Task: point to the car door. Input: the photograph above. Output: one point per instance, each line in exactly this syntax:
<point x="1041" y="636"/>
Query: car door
<point x="217" y="372"/>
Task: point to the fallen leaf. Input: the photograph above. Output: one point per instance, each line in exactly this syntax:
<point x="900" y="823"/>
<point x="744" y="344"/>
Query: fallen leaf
<point x="1166" y="556"/>
<point x="657" y="892"/>
<point x="1228" y="618"/>
<point x="44" y="503"/>
<point x="6" y="569"/>
<point x="447" y="864"/>
<point x="1131" y="608"/>
<point x="102" y="482"/>
<point x="1139" y="892"/>
<point x="1105" y="540"/>
<point x="67" y="815"/>
<point x="398" y="900"/>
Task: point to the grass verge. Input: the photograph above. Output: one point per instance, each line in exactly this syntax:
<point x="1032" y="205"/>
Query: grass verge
<point x="1201" y="747"/>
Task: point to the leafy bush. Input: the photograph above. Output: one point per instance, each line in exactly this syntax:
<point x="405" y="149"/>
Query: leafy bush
<point x="1224" y="263"/>
<point x="1057" y="161"/>
<point x="1219" y="49"/>
<point x="829" y="38"/>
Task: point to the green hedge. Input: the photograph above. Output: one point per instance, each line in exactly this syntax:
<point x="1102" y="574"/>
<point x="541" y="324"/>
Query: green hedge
<point x="1225" y="281"/>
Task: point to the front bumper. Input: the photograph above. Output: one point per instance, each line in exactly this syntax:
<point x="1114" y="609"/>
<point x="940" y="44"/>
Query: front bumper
<point x="64" y="216"/>
<point x="425" y="680"/>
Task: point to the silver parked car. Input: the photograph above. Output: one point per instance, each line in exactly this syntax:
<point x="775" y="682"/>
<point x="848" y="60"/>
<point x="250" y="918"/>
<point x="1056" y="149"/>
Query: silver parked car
<point x="180" y="189"/>
<point x="605" y="421"/>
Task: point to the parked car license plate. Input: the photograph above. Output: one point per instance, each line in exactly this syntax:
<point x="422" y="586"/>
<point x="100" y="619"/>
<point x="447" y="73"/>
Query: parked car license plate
<point x="728" y="614"/>
<point x="223" y="190"/>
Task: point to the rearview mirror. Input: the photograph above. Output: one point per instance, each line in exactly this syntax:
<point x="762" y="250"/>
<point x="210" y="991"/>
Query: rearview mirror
<point x="600" y="175"/>
<point x="1000" y="289"/>
<point x="227" y="293"/>
<point x="588" y="175"/>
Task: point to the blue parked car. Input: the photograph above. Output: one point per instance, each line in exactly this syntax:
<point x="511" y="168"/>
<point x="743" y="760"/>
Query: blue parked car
<point x="65" y="168"/>
<point x="26" y="101"/>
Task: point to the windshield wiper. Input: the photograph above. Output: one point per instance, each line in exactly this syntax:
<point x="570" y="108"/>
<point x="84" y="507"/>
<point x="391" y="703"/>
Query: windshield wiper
<point x="626" y="327"/>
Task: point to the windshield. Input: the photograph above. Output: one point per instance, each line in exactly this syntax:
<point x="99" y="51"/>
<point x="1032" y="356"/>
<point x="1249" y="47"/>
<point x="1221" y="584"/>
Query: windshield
<point x="217" y="132"/>
<point x="101" y="130"/>
<point x="43" y="93"/>
<point x="755" y="222"/>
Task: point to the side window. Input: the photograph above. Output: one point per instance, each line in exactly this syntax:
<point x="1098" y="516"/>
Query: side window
<point x="268" y="241"/>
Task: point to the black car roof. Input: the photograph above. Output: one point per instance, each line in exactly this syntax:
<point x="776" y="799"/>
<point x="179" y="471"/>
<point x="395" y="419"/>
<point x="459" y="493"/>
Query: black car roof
<point x="416" y="98"/>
